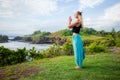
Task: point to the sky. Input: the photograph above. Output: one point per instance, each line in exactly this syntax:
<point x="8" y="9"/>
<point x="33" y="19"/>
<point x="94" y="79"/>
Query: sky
<point x="22" y="17"/>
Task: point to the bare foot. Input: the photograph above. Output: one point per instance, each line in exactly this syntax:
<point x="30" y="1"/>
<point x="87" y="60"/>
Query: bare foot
<point x="77" y="67"/>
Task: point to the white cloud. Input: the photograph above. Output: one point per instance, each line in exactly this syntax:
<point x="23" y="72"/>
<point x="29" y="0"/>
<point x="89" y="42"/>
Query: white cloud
<point x="13" y="8"/>
<point x="30" y="15"/>
<point x="20" y="15"/>
<point x="69" y="0"/>
<point x="110" y="19"/>
<point x="52" y="25"/>
<point x="66" y="1"/>
<point x="13" y="28"/>
<point x="89" y="3"/>
<point x="42" y="7"/>
<point x="16" y="29"/>
<point x="112" y="13"/>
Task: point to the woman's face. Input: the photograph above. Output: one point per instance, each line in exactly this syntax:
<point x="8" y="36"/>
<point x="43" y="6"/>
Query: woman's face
<point x="76" y="15"/>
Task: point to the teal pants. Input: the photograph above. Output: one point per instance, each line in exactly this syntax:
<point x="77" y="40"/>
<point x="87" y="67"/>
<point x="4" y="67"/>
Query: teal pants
<point x="78" y="49"/>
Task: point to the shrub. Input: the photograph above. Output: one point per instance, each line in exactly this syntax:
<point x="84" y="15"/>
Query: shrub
<point x="94" y="47"/>
<point x="21" y="54"/>
<point x="52" y="51"/>
<point x="118" y="42"/>
<point x="35" y="54"/>
<point x="6" y="56"/>
<point x="87" y="42"/>
<point x="9" y="57"/>
<point x="67" y="48"/>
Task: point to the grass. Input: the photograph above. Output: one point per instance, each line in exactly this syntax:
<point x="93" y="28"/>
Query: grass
<point x="102" y="66"/>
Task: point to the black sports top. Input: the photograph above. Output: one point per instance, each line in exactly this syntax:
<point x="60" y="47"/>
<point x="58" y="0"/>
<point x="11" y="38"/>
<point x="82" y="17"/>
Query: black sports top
<point x="76" y="29"/>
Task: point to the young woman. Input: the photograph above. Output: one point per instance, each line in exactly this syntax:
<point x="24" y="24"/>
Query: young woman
<point x="76" y="39"/>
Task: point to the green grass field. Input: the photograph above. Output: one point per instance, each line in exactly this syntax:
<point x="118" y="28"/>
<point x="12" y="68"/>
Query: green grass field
<point x="102" y="66"/>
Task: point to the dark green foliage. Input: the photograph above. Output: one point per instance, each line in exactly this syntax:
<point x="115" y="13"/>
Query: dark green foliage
<point x="5" y="56"/>
<point x="27" y="38"/>
<point x="36" y="32"/>
<point x="89" y="31"/>
<point x="35" y="54"/>
<point x="67" y="32"/>
<point x="40" y="39"/>
<point x="37" y="37"/>
<point x="21" y="54"/>
<point x="113" y="32"/>
<point x="101" y="33"/>
<point x="3" y="38"/>
<point x="9" y="57"/>
<point x="17" y="38"/>
<point x="41" y="33"/>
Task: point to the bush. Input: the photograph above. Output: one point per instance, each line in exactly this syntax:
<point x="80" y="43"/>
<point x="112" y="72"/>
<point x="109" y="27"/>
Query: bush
<point x="118" y="42"/>
<point x="67" y="48"/>
<point x="52" y="51"/>
<point x="9" y="57"/>
<point x="94" y="47"/>
<point x="21" y="55"/>
<point x="87" y="42"/>
<point x="57" y="50"/>
<point x="35" y="54"/>
<point x="110" y="41"/>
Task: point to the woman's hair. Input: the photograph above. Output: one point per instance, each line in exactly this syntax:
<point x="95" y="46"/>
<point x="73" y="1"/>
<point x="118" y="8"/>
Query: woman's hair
<point x="80" y="17"/>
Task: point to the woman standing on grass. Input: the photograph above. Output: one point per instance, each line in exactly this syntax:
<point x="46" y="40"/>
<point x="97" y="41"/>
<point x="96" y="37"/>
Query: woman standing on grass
<point x="76" y="39"/>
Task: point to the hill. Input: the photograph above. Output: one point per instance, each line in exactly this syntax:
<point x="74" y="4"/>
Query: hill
<point x="61" y="36"/>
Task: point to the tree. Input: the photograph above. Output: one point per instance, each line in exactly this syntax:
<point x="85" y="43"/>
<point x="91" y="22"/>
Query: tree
<point x="113" y="32"/>
<point x="102" y="33"/>
<point x="3" y="38"/>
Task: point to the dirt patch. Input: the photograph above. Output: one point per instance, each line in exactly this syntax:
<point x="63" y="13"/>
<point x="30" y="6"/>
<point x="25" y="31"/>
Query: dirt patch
<point x="14" y="73"/>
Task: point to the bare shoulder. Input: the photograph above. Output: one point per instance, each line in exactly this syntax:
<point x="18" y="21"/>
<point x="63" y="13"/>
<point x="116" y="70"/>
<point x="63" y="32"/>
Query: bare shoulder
<point x="78" y="23"/>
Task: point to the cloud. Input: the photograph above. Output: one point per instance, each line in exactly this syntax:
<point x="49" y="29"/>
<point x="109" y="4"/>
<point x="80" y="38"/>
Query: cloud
<point x="89" y="3"/>
<point x="30" y="15"/>
<point x="42" y="7"/>
<point x="68" y="1"/>
<point x="21" y="17"/>
<point x="16" y="29"/>
<point x="52" y="25"/>
<point x="111" y="17"/>
<point x="13" y="28"/>
<point x="108" y="20"/>
<point x="112" y="13"/>
<point x="17" y="8"/>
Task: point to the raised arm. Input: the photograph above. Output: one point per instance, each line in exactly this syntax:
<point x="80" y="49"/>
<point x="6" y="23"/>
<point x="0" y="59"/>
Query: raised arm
<point x="70" y="24"/>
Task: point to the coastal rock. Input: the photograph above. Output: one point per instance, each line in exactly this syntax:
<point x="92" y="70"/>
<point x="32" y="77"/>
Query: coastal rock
<point x="3" y="38"/>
